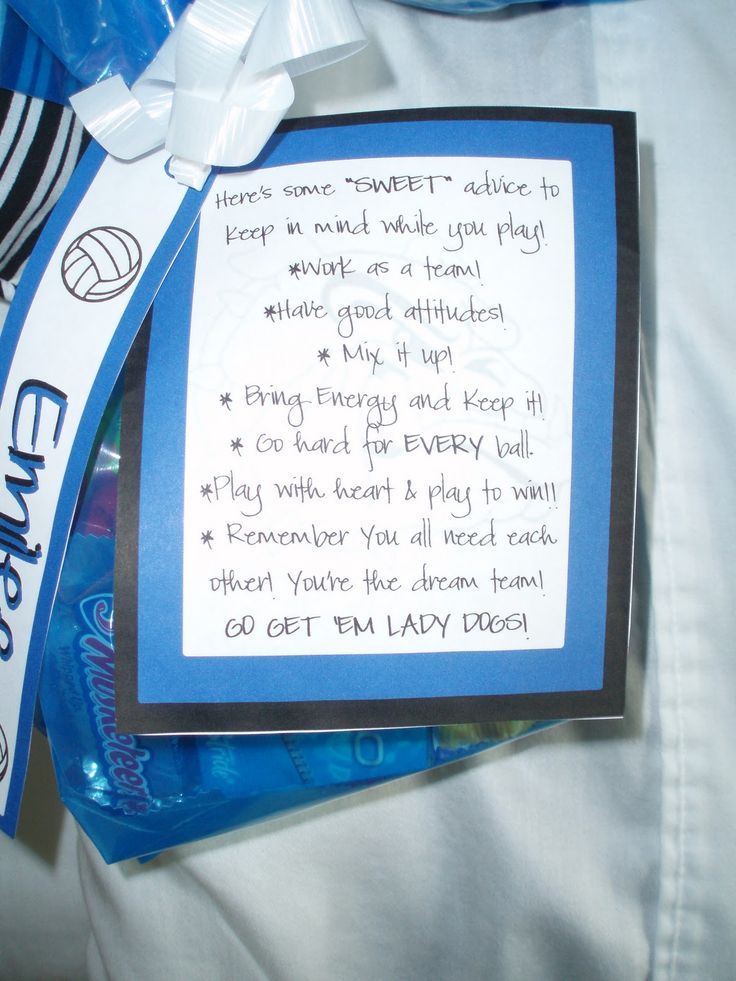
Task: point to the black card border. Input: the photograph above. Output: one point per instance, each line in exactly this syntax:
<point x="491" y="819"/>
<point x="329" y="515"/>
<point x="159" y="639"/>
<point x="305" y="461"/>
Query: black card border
<point x="242" y="717"/>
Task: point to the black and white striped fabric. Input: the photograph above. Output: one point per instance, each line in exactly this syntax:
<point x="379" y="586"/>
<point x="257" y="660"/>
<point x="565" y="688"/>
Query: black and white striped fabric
<point x="40" y="144"/>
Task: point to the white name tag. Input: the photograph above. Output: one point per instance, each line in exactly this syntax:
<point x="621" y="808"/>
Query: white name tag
<point x="88" y="286"/>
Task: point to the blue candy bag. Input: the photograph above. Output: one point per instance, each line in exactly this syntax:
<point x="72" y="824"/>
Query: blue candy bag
<point x="27" y="65"/>
<point x="96" y="40"/>
<point x="90" y="42"/>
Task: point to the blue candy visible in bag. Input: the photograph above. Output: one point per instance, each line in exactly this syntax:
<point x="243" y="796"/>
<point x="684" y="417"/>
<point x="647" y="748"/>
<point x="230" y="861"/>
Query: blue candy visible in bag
<point x="135" y="795"/>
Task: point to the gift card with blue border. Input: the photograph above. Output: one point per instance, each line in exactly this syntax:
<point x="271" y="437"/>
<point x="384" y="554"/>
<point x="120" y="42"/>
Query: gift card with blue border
<point x="378" y="455"/>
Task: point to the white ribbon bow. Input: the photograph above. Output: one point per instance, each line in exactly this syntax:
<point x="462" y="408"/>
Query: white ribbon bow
<point x="221" y="82"/>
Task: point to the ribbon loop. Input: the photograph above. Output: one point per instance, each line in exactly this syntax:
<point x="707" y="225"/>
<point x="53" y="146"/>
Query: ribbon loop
<point x="221" y="83"/>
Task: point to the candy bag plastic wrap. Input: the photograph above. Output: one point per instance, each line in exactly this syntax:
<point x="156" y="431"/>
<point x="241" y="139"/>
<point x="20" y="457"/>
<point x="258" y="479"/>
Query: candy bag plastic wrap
<point x="27" y="65"/>
<point x="467" y="6"/>
<point x="108" y="37"/>
<point x="135" y="795"/>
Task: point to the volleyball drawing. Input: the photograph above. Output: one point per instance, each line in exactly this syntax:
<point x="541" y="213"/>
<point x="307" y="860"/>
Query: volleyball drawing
<point x="100" y="264"/>
<point x="4" y="754"/>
